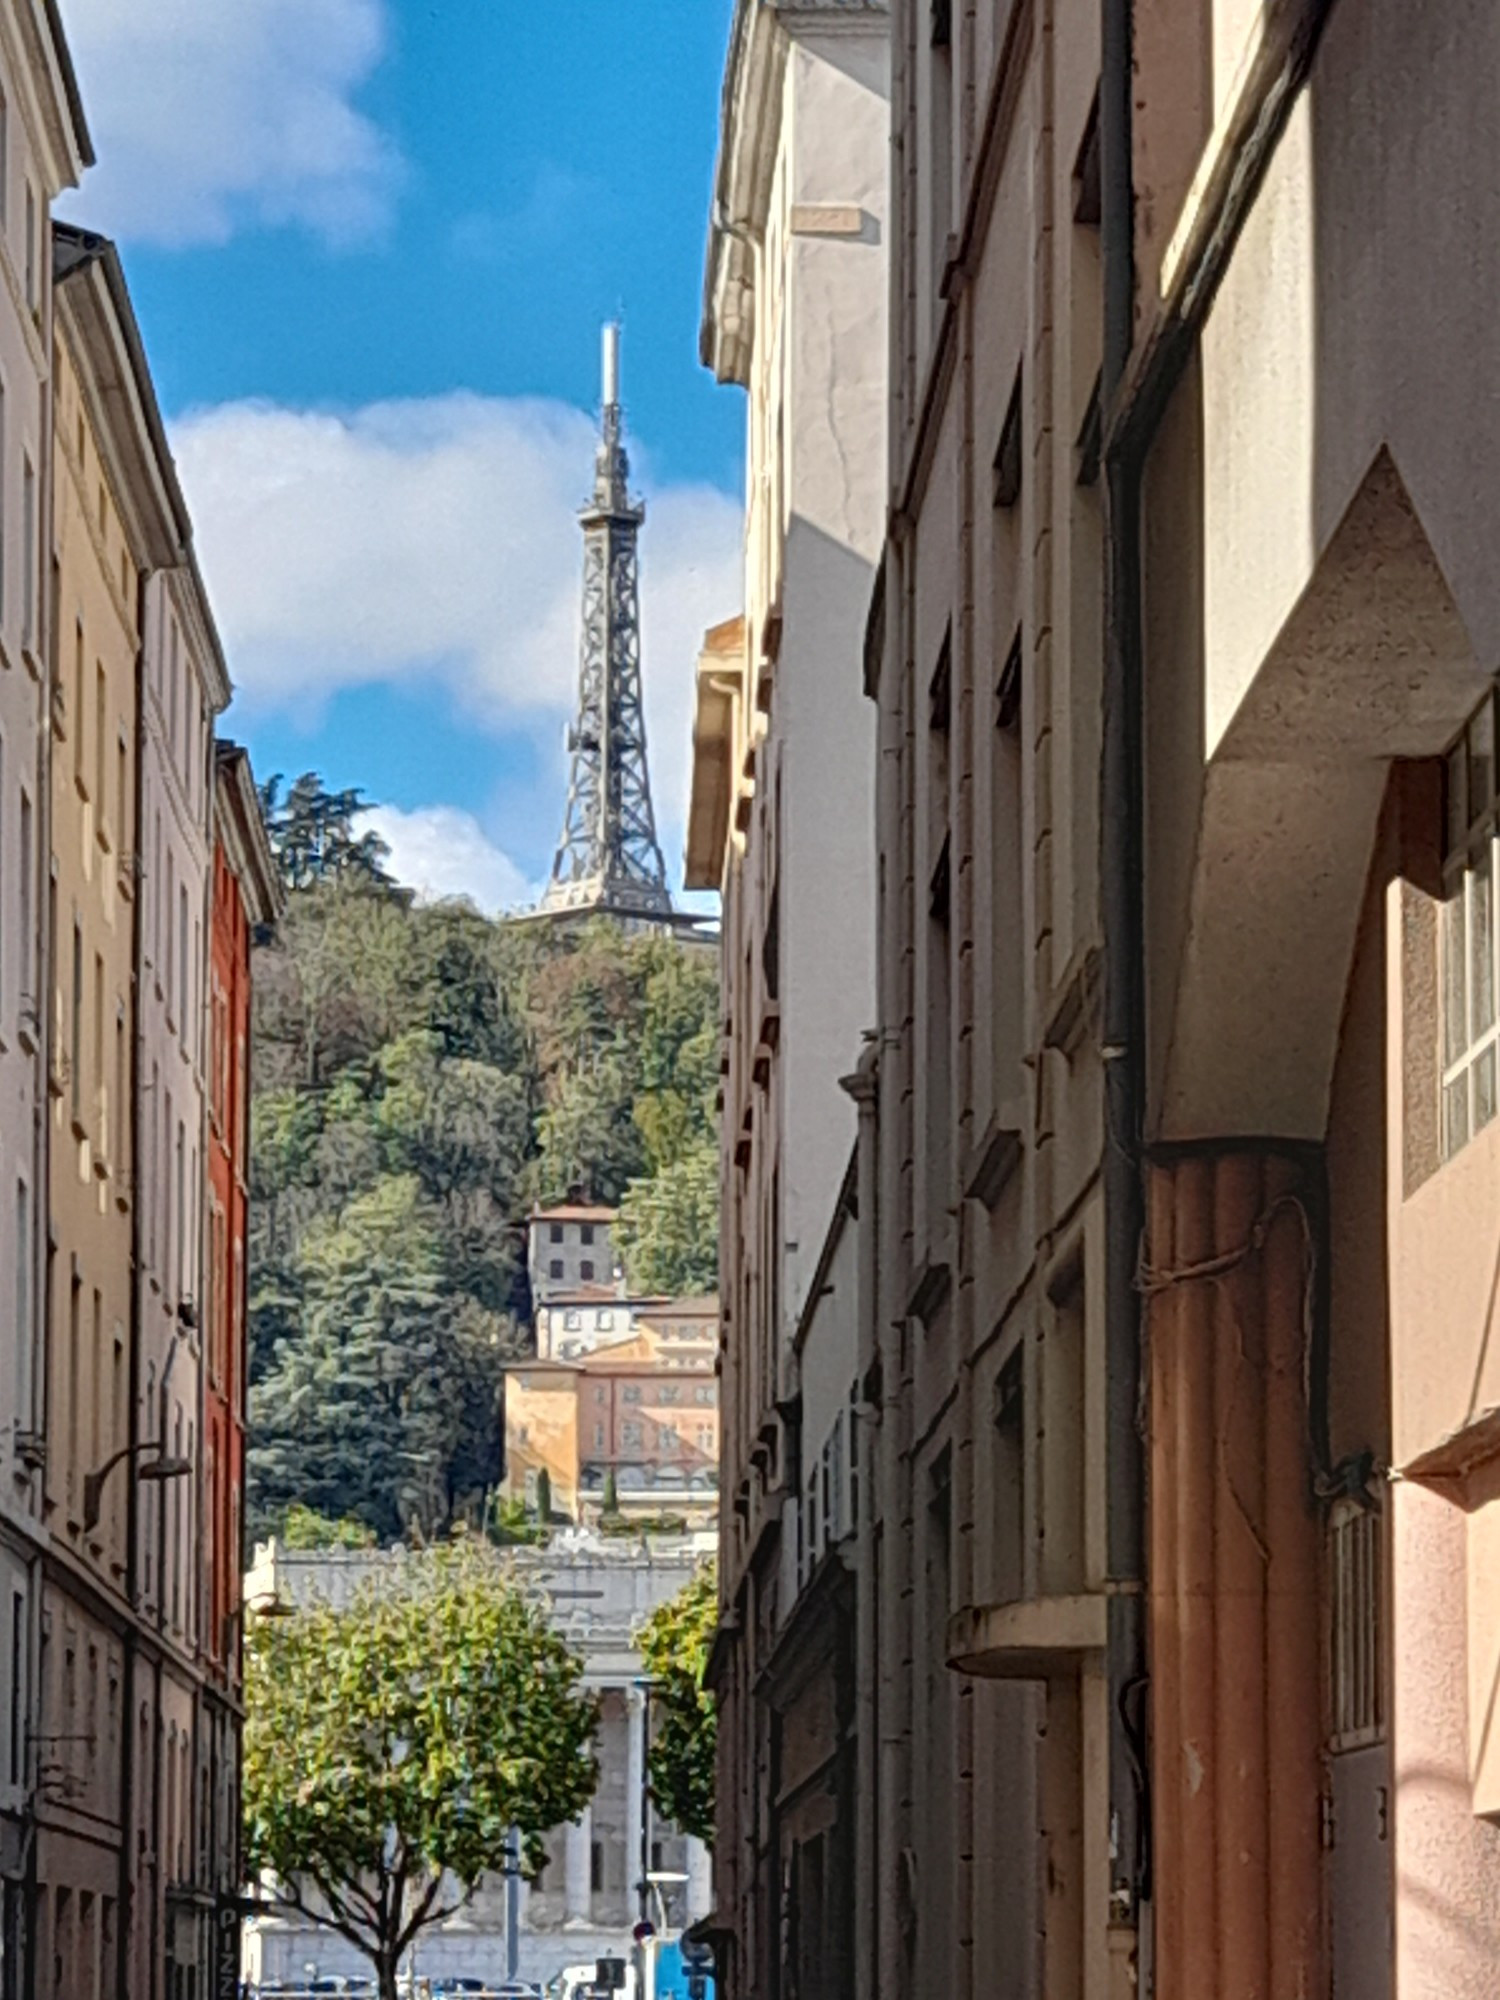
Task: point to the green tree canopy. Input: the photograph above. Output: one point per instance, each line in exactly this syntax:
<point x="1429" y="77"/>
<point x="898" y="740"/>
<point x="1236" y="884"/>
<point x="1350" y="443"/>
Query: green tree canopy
<point x="668" y="1230"/>
<point x="675" y="1643"/>
<point x="372" y="1410"/>
<point x="435" y="1713"/>
<point x="313" y="836"/>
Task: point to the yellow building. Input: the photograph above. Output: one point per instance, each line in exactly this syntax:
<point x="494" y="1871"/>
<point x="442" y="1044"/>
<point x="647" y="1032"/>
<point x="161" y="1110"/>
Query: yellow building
<point x="115" y="516"/>
<point x="641" y="1412"/>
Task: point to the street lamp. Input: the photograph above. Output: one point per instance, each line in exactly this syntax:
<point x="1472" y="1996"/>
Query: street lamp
<point x="162" y="1467"/>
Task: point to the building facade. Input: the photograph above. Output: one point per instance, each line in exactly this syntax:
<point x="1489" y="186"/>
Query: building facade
<point x="113" y="521"/>
<point x="591" y="1890"/>
<point x="1170" y="1226"/>
<point x="246" y="898"/>
<point x="569" y="1246"/>
<point x="629" y="1426"/>
<point x="1002" y="1798"/>
<point x="100" y="1807"/>
<point x="1302" y="447"/>
<point x="795" y="312"/>
<point x="44" y="147"/>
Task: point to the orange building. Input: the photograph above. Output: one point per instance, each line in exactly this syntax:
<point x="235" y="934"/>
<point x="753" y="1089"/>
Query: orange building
<point x="642" y="1411"/>
<point x="246" y="895"/>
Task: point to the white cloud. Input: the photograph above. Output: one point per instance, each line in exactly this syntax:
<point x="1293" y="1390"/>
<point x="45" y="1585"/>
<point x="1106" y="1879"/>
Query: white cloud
<point x="440" y="851"/>
<point x="435" y="543"/>
<point x="210" y="115"/>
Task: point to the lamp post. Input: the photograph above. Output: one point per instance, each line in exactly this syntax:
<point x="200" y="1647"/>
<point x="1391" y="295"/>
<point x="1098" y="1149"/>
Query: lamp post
<point x="162" y="1467"/>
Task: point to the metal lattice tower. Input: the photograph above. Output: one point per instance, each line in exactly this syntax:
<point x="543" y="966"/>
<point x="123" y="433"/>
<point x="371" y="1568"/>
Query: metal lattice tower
<point x="608" y="858"/>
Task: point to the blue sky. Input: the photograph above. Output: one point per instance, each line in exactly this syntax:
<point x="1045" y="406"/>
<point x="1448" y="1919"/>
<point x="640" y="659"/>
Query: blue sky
<point x="371" y="243"/>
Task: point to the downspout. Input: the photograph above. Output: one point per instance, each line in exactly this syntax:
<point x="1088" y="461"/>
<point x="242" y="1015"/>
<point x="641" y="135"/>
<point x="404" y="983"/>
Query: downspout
<point x="1124" y="1012"/>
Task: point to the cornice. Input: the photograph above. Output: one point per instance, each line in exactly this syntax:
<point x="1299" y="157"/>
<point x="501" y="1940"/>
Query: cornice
<point x="749" y="135"/>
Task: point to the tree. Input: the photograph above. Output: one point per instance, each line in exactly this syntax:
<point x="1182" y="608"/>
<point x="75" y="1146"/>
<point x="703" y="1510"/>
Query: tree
<point x="675" y="1643"/>
<point x="434" y="1714"/>
<point x="304" y="1529"/>
<point x="313" y="838"/>
<point x="668" y="1229"/>
<point x="384" y="1406"/>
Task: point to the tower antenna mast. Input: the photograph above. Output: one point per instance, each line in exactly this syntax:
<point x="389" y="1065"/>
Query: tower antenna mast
<point x="608" y="858"/>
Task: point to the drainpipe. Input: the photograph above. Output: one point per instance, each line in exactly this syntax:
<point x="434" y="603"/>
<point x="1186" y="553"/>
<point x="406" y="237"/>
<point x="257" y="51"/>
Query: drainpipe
<point x="1122" y="900"/>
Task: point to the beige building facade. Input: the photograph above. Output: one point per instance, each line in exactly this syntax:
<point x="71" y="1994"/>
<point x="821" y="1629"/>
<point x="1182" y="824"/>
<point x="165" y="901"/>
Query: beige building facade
<point x="1167" y="1250"/>
<point x="44" y="146"/>
<point x="795" y="313"/>
<point x="112" y="521"/>
<point x="1001" y="1826"/>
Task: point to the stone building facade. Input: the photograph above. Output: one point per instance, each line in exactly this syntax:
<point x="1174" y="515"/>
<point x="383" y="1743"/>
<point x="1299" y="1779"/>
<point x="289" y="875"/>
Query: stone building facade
<point x="783" y="782"/>
<point x="1173" y="1208"/>
<point x="569" y="1247"/>
<point x="109" y="1850"/>
<point x="44" y="147"/>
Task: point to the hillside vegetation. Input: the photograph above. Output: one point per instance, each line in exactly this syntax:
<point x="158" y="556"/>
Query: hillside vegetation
<point x="422" y="1074"/>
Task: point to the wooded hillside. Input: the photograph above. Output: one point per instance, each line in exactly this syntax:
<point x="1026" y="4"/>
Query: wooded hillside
<point x="422" y="1075"/>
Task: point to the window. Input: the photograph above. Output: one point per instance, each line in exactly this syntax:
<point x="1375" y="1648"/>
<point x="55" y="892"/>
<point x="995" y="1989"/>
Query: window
<point x="28" y="556"/>
<point x="1008" y="451"/>
<point x="2" y="408"/>
<point x="630" y="1434"/>
<point x="586" y="1269"/>
<point x="75" y="1081"/>
<point x="555" y="1233"/>
<point x="33" y="247"/>
<point x="172" y="670"/>
<point x="605" y="1321"/>
<point x="122" y="1097"/>
<point x="171" y="934"/>
<point x="184" y="963"/>
<point x="598" y="1437"/>
<point x="670" y="1393"/>
<point x="1009" y="1476"/>
<point x="705" y="1437"/>
<point x="704" y="1393"/>
<point x="1356" y="1648"/>
<point x="17" y="1673"/>
<point x="101" y="1093"/>
<point x="1469" y="965"/>
<point x="77" y="717"/>
<point x="27" y="942"/>
<point x="25" y="1250"/>
<point x="631" y="1393"/>
<point x="101" y="742"/>
<point x="555" y="1269"/>
<point x="586" y="1233"/>
<point x="667" y="1438"/>
<point x="572" y="1321"/>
